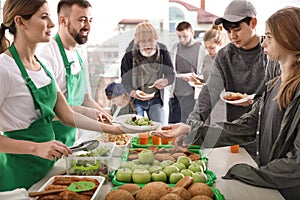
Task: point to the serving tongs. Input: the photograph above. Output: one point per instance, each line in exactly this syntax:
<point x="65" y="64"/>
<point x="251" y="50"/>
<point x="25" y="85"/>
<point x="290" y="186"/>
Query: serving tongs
<point x="85" y="146"/>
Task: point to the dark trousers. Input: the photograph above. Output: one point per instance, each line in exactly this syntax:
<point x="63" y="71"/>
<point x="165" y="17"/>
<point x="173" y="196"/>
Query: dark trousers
<point x="180" y="107"/>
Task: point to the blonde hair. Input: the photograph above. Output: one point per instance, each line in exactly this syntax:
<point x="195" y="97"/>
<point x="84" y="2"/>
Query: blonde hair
<point x="215" y="34"/>
<point x="284" y="27"/>
<point x="12" y="8"/>
<point x="145" y="31"/>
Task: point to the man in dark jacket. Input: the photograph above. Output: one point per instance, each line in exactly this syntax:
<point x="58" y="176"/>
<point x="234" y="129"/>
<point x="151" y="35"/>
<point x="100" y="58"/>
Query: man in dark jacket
<point x="146" y="70"/>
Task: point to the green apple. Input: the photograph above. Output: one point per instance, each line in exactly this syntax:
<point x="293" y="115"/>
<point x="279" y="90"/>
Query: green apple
<point x="170" y="169"/>
<point x="159" y="176"/>
<point x="147" y="166"/>
<point x="201" y="163"/>
<point x="180" y="166"/>
<point x="127" y="164"/>
<point x="155" y="168"/>
<point x="146" y="156"/>
<point x="199" y="177"/>
<point x="165" y="163"/>
<point x="141" y="176"/>
<point x="156" y="162"/>
<point x="134" y="167"/>
<point x="175" y="177"/>
<point x="136" y="161"/>
<point x="195" y="168"/>
<point x="185" y="160"/>
<point x="187" y="172"/>
<point x="124" y="175"/>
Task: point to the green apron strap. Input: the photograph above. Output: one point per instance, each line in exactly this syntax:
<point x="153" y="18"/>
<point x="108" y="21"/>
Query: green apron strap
<point x="76" y="88"/>
<point x="24" y="73"/>
<point x="67" y="65"/>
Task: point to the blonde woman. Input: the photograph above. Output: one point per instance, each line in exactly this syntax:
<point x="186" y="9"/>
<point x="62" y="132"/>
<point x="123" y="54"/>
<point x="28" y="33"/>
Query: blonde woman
<point x="213" y="41"/>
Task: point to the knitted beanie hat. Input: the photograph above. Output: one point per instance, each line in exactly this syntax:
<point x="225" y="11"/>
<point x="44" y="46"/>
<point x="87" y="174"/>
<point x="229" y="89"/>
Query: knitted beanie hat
<point x="145" y="31"/>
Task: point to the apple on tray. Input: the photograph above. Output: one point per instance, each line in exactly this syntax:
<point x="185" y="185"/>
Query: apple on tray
<point x="165" y="163"/>
<point x="170" y="169"/>
<point x="159" y="176"/>
<point x="146" y="157"/>
<point x="185" y="160"/>
<point x="134" y="167"/>
<point x="124" y="175"/>
<point x="155" y="168"/>
<point x="180" y="166"/>
<point x="127" y="164"/>
<point x="187" y="172"/>
<point x="201" y="163"/>
<point x="141" y="176"/>
<point x="199" y="177"/>
<point x="195" y="168"/>
<point x="156" y="162"/>
<point x="175" y="177"/>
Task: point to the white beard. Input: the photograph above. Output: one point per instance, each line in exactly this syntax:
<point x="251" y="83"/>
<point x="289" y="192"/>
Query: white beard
<point x="148" y="53"/>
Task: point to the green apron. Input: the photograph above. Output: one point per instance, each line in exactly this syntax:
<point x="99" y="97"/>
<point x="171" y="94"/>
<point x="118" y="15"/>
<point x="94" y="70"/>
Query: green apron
<point x="22" y="170"/>
<point x="76" y="87"/>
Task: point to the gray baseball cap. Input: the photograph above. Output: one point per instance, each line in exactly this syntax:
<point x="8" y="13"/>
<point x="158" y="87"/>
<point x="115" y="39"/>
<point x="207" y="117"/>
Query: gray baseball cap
<point x="236" y="11"/>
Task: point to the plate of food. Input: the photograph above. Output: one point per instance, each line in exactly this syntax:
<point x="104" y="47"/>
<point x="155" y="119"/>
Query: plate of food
<point x="184" y="75"/>
<point x="137" y="123"/>
<point x="196" y="83"/>
<point x="235" y="97"/>
<point x="143" y="94"/>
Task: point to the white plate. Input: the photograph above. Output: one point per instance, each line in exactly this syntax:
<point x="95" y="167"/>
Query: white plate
<point x="120" y="148"/>
<point x="122" y="118"/>
<point x="184" y="75"/>
<point x="144" y="95"/>
<point x="192" y="83"/>
<point x="96" y="195"/>
<point x="223" y="94"/>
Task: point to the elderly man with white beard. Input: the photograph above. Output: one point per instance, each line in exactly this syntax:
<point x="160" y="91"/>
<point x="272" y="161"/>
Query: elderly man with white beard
<point x="147" y="67"/>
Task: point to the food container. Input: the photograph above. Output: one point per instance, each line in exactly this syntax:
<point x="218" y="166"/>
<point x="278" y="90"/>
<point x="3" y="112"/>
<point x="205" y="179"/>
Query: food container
<point x="234" y="148"/>
<point x="211" y="176"/>
<point x="93" y="163"/>
<point x="156" y="140"/>
<point x="96" y="194"/>
<point x="163" y="143"/>
<point x="143" y="138"/>
<point x="123" y="142"/>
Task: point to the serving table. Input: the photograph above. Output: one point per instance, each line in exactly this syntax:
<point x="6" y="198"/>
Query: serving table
<point x="219" y="161"/>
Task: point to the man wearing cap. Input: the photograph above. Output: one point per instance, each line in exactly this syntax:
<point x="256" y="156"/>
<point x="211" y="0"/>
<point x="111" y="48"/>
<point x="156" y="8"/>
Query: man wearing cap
<point x="120" y="99"/>
<point x="238" y="67"/>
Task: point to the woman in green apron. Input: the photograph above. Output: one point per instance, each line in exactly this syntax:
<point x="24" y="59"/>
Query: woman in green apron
<point x="29" y="99"/>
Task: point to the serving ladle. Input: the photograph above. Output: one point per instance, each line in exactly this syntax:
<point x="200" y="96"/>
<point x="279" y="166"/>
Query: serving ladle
<point x="86" y="146"/>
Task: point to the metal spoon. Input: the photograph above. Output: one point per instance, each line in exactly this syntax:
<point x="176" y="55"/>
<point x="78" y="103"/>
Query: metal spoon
<point x="86" y="146"/>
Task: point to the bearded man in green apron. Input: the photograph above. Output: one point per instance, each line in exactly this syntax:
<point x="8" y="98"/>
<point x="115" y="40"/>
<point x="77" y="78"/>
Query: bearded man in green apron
<point x="74" y="26"/>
